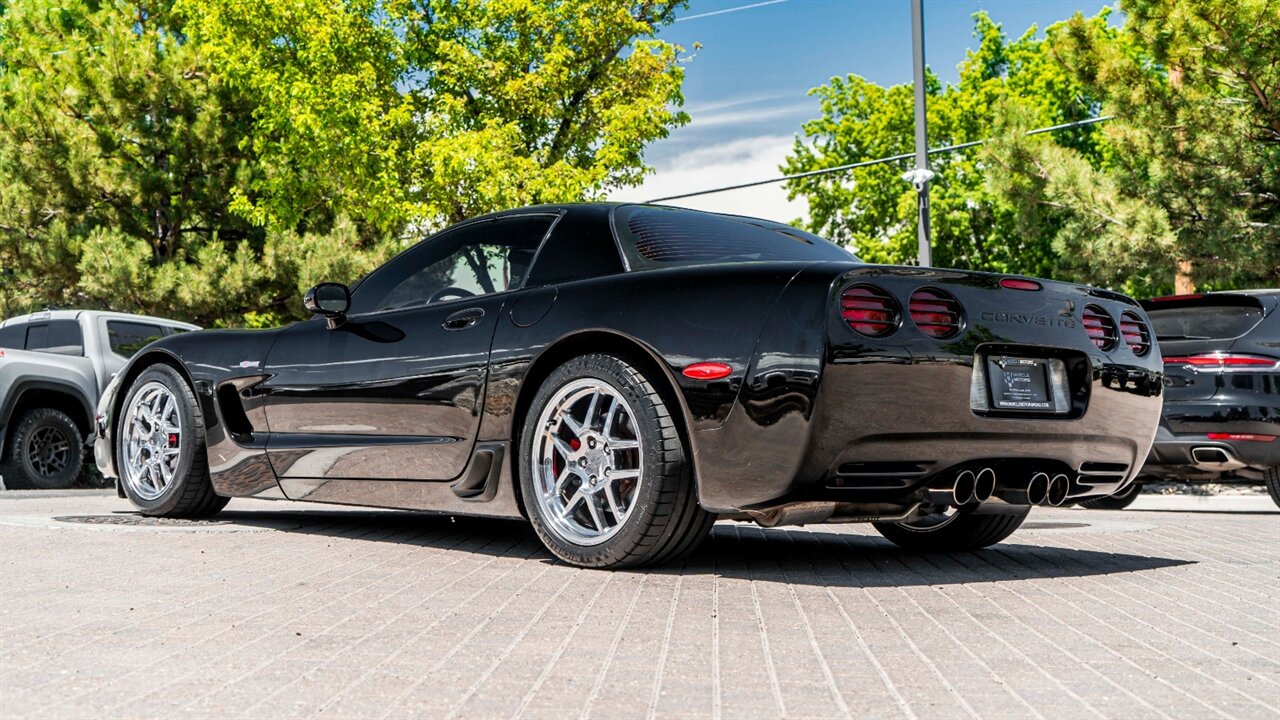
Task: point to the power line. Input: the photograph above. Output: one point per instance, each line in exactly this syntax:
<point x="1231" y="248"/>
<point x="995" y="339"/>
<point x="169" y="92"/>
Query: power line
<point x="729" y="10"/>
<point x="866" y="163"/>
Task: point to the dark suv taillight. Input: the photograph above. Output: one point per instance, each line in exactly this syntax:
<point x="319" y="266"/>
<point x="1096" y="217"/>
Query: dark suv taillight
<point x="869" y="310"/>
<point x="1100" y="328"/>
<point x="1136" y="334"/>
<point x="936" y="313"/>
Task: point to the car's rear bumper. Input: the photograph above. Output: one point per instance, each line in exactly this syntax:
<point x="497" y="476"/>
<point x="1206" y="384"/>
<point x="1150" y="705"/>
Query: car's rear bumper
<point x="894" y="429"/>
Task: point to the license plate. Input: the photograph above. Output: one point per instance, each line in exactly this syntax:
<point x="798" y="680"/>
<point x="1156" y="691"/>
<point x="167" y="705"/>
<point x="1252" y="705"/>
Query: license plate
<point x="1019" y="383"/>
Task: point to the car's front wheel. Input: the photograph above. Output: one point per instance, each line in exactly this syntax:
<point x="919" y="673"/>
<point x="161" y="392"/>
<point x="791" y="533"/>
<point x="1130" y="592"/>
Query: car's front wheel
<point x="160" y="448"/>
<point x="1118" y="501"/>
<point x="604" y="474"/>
<point x="956" y="529"/>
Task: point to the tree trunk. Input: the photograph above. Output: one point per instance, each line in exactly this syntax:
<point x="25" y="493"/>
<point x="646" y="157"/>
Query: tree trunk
<point x="1183" y="284"/>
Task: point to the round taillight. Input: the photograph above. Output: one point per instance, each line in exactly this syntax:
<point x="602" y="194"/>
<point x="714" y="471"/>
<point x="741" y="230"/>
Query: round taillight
<point x="935" y="312"/>
<point x="1135" y="333"/>
<point x="869" y="310"/>
<point x="1100" y="328"/>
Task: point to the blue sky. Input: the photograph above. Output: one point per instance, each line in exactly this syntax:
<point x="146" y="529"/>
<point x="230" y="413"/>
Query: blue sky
<point x="746" y="88"/>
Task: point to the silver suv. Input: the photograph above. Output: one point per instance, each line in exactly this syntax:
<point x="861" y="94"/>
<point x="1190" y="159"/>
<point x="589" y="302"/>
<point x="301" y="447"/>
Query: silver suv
<point x="53" y="366"/>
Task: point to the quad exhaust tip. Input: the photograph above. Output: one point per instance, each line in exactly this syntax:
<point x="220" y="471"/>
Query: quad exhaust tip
<point x="971" y="487"/>
<point x="1038" y="489"/>
<point x="1059" y="487"/>
<point x="963" y="489"/>
<point x="984" y="485"/>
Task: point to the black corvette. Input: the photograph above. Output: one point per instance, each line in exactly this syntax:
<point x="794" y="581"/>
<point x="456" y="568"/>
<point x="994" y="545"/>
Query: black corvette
<point x="624" y="375"/>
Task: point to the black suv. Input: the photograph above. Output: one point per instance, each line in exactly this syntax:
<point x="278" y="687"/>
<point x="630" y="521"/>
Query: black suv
<point x="1222" y="392"/>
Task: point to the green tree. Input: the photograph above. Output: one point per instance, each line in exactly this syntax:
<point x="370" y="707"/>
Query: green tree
<point x="414" y="111"/>
<point x="207" y="159"/>
<point x="1186" y="191"/>
<point x="874" y="210"/>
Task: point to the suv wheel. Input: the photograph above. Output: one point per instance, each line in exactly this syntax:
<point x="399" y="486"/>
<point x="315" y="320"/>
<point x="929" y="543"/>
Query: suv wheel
<point x="46" y="451"/>
<point x="1272" y="476"/>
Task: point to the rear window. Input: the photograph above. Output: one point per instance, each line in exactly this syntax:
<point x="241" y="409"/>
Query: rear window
<point x="654" y="237"/>
<point x="61" y="337"/>
<point x="13" y="337"/>
<point x="127" y="338"/>
<point x="1215" y="319"/>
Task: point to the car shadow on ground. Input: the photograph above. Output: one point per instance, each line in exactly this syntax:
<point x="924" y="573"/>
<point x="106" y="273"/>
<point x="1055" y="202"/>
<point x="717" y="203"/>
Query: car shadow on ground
<point x="804" y="556"/>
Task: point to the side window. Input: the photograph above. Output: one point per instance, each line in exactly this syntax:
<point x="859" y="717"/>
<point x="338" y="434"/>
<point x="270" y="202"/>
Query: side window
<point x="127" y="338"/>
<point x="477" y="259"/>
<point x="62" y="337"/>
<point x="13" y="337"/>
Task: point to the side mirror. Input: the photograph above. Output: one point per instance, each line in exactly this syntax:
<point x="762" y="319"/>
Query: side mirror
<point x="332" y="300"/>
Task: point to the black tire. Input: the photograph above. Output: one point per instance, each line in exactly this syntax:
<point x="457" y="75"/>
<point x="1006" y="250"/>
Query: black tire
<point x="961" y="530"/>
<point x="665" y="521"/>
<point x="1272" y="477"/>
<point x="46" y="451"/>
<point x="1118" y="501"/>
<point x="190" y="494"/>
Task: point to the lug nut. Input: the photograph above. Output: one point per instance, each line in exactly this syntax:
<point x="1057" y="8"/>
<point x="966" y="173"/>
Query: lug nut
<point x="591" y="443"/>
<point x="582" y="462"/>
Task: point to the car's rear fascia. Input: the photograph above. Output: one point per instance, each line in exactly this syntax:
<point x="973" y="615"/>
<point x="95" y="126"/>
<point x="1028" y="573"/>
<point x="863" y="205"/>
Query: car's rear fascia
<point x="829" y="415"/>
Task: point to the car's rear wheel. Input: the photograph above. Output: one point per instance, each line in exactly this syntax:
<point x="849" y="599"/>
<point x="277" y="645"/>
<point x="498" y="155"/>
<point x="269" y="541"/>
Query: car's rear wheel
<point x="1272" y="477"/>
<point x="160" y="448"/>
<point x="604" y="474"/>
<point x="46" y="450"/>
<point x="1118" y="501"/>
<point x="956" y="529"/>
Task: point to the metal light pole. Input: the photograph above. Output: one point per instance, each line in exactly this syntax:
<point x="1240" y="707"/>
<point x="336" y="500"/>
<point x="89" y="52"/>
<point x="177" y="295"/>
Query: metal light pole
<point x="921" y="175"/>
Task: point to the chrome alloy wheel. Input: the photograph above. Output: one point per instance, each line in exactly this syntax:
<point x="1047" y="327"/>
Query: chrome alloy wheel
<point x="151" y="442"/>
<point x="587" y="462"/>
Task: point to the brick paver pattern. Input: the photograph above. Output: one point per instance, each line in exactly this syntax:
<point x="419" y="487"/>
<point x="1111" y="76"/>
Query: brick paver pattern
<point x="292" y="611"/>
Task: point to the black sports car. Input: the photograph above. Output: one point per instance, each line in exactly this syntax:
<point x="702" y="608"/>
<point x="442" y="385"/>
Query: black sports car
<point x="1222" y="392"/>
<point x="623" y="375"/>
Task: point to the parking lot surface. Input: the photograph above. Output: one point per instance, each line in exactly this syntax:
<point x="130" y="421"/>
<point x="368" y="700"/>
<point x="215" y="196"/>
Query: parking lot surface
<point x="1170" y="609"/>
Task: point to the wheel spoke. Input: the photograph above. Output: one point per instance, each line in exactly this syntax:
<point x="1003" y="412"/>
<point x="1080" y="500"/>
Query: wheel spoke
<point x="567" y="510"/>
<point x="560" y="481"/>
<point x="570" y="422"/>
<point x="591" y="409"/>
<point x="609" y="418"/>
<point x="623" y="444"/>
<point x="614" y="506"/>
<point x="565" y="450"/>
<point x="593" y="506"/>
<point x="624" y="474"/>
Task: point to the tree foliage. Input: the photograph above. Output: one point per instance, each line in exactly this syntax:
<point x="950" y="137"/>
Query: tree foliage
<point x="874" y="210"/>
<point x="1188" y="184"/>
<point x="208" y="159"/>
<point x="404" y="111"/>
<point x="1183" y="181"/>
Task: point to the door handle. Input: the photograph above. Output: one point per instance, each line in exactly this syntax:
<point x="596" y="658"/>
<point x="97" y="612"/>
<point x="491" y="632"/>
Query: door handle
<point x="463" y="319"/>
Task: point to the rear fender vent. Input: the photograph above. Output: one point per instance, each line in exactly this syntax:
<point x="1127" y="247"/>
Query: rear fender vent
<point x="1100" y="328"/>
<point x="869" y="310"/>
<point x="1136" y="334"/>
<point x="935" y="312"/>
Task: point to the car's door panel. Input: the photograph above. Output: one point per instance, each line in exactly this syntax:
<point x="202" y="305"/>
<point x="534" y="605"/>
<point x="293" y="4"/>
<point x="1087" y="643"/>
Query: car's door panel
<point x="401" y="401"/>
<point x="395" y="390"/>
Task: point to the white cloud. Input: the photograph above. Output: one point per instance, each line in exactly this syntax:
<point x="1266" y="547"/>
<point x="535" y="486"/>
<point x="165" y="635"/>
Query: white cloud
<point x="728" y="163"/>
